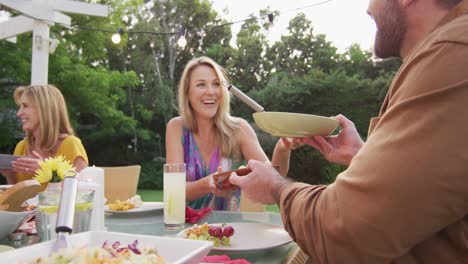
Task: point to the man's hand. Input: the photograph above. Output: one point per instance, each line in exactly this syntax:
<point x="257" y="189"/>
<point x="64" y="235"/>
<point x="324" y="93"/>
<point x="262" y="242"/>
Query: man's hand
<point x="262" y="185"/>
<point x="340" y="148"/>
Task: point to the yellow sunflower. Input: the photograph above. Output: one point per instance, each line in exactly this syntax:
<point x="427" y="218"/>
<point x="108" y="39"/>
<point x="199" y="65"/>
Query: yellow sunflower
<point x="52" y="169"/>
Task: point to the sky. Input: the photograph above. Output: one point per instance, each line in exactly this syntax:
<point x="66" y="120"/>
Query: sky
<point x="344" y="22"/>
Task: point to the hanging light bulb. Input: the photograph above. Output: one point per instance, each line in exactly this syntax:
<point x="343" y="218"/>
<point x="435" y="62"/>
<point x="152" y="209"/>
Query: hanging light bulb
<point x="182" y="42"/>
<point x="116" y="37"/>
<point x="271" y="17"/>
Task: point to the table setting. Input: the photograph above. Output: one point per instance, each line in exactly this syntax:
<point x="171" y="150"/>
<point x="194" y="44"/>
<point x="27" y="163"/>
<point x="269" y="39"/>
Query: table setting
<point x="255" y="238"/>
<point x="148" y="227"/>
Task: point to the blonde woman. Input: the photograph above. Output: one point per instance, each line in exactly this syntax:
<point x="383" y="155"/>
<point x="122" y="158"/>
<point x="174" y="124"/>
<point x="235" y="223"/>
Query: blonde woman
<point x="44" y="119"/>
<point x="208" y="139"/>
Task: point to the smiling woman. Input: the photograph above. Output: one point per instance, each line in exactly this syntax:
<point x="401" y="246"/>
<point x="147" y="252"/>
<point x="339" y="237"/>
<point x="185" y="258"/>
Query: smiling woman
<point x="44" y="118"/>
<point x="208" y="139"/>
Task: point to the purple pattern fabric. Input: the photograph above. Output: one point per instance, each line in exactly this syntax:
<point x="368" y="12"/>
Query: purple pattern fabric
<point x="196" y="170"/>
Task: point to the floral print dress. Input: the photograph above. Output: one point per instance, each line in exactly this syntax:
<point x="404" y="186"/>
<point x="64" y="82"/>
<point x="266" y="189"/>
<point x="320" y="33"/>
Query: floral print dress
<point x="197" y="169"/>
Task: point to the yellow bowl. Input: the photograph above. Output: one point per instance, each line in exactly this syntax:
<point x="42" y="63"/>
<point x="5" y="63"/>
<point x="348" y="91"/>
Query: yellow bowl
<point x="283" y="124"/>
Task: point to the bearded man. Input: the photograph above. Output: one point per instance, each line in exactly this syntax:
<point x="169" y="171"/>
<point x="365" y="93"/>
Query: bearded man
<point x="404" y="196"/>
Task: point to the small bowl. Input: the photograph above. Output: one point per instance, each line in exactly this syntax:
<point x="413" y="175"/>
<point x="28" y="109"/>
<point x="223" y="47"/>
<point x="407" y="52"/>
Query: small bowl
<point x="10" y="221"/>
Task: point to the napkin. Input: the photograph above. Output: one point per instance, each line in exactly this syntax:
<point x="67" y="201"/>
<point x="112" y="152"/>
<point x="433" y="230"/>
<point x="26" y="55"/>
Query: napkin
<point x="28" y="226"/>
<point x="223" y="259"/>
<point x="192" y="216"/>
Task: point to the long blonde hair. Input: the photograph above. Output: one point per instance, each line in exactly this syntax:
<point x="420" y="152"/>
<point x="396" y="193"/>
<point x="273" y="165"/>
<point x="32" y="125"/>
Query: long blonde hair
<point x="53" y="114"/>
<point x="226" y="126"/>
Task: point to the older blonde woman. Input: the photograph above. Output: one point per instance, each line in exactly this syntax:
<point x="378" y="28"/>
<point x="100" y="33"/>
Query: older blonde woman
<point x="207" y="138"/>
<point x="44" y="119"/>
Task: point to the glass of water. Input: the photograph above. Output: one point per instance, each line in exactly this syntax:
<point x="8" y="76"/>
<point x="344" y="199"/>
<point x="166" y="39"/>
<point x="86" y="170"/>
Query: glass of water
<point x="174" y="196"/>
<point x="46" y="214"/>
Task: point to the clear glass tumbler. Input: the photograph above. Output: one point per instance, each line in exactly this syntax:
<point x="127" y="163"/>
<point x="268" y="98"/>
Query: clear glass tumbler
<point x="174" y="196"/>
<point x="46" y="214"/>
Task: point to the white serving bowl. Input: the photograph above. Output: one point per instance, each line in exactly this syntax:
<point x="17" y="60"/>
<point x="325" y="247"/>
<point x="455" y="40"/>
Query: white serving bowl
<point x="10" y="221"/>
<point x="173" y="250"/>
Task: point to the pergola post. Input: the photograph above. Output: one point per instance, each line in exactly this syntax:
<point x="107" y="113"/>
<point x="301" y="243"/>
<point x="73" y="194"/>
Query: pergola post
<point x="40" y="54"/>
<point x="39" y="15"/>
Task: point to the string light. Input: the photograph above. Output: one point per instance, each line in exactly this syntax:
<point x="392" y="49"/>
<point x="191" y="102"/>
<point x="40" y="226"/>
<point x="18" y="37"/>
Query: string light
<point x="116" y="37"/>
<point x="182" y="42"/>
<point x="270" y="17"/>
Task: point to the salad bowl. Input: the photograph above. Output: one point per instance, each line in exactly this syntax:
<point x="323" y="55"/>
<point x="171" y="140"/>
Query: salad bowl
<point x="173" y="250"/>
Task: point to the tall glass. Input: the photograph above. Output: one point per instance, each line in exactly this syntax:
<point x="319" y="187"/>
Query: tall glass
<point x="174" y="196"/>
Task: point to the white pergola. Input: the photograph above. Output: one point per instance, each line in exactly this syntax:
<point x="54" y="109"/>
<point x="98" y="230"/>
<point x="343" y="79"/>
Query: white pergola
<point x="37" y="16"/>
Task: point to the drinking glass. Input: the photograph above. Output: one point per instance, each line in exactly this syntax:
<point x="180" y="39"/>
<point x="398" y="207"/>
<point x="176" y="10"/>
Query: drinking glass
<point x="174" y="196"/>
<point x="46" y="213"/>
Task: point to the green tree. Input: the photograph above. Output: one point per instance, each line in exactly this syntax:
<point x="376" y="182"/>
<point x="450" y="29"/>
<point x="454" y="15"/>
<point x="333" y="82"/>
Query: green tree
<point x="301" y="50"/>
<point x="248" y="68"/>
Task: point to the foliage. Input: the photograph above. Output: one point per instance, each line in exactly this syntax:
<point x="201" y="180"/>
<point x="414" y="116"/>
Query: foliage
<point x="248" y="67"/>
<point x="151" y="176"/>
<point x="10" y="129"/>
<point x="301" y="50"/>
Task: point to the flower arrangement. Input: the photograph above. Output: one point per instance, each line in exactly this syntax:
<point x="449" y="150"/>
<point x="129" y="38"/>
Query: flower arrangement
<point x="52" y="169"/>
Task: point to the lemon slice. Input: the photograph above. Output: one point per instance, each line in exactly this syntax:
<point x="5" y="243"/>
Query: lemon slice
<point x="54" y="208"/>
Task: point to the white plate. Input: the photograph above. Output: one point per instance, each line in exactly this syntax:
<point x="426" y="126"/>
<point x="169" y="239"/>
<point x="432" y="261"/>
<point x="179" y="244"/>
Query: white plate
<point x="252" y="237"/>
<point x="145" y="207"/>
<point x="282" y="124"/>
<point x="174" y="250"/>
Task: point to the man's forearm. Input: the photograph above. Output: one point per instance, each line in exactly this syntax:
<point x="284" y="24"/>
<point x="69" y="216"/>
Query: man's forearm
<point x="278" y="186"/>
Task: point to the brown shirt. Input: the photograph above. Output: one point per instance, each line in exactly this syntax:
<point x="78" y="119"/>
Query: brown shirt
<point x="404" y="197"/>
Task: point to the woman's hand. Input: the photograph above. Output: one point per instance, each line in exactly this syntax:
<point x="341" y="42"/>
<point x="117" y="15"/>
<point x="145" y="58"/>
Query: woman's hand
<point x="286" y="143"/>
<point x="27" y="165"/>
<point x="340" y="148"/>
<point x="220" y="192"/>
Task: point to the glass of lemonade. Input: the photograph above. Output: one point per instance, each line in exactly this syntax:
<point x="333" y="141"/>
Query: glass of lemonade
<point x="174" y="196"/>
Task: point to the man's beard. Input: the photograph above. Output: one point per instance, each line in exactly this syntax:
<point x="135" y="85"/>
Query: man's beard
<point x="391" y="29"/>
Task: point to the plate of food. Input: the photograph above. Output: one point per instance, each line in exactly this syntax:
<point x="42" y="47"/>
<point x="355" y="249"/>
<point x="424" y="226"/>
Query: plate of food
<point x="113" y="247"/>
<point x="144" y="207"/>
<point x="238" y="237"/>
<point x="283" y="124"/>
<point x="133" y="205"/>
